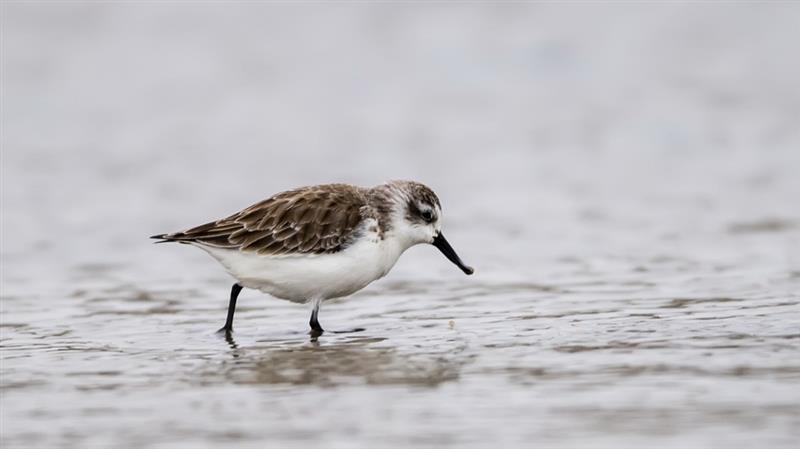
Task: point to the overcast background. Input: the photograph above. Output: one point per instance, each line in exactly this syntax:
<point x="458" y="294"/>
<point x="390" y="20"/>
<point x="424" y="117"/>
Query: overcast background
<point x="123" y="120"/>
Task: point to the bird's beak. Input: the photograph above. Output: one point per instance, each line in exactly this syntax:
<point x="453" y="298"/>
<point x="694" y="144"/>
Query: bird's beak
<point x="440" y="242"/>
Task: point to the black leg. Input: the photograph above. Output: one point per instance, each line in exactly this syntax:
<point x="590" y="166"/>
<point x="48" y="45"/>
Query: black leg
<point x="315" y="327"/>
<point x="228" y="328"/>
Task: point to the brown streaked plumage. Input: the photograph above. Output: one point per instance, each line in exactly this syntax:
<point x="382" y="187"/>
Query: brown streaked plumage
<point x="315" y="219"/>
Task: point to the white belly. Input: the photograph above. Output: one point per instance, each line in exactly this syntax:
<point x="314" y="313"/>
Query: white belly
<point x="301" y="278"/>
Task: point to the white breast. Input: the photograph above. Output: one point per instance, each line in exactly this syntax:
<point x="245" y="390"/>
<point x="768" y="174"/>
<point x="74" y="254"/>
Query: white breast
<point x="301" y="278"/>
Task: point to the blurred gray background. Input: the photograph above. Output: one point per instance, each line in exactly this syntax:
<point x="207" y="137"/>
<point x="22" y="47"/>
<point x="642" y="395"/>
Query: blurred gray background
<point x="122" y="120"/>
<point x="639" y="150"/>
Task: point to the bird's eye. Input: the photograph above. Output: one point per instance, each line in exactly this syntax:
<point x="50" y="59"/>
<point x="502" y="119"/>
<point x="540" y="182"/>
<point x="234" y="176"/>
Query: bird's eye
<point x="427" y="215"/>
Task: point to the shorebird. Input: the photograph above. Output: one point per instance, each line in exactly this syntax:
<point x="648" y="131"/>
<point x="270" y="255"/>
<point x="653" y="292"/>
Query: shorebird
<point x="316" y="243"/>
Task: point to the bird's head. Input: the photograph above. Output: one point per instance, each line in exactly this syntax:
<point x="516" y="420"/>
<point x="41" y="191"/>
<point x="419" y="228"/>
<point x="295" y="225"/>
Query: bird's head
<point x="416" y="217"/>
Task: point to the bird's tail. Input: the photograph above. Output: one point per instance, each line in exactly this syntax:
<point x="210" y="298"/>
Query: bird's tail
<point x="166" y="238"/>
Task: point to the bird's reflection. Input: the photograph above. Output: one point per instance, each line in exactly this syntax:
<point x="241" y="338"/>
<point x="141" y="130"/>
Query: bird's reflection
<point x="332" y="359"/>
<point x="231" y="342"/>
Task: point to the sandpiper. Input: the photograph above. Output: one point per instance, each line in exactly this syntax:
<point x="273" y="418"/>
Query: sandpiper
<point x="316" y="243"/>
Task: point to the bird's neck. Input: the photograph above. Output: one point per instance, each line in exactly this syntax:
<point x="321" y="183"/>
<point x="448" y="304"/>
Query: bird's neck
<point x="386" y="203"/>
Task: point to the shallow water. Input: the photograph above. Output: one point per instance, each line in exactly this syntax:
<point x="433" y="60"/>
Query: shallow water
<point x="588" y="359"/>
<point x="629" y="204"/>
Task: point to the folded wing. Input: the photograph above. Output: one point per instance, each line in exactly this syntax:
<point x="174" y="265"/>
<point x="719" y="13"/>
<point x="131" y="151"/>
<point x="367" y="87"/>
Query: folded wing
<point x="319" y="219"/>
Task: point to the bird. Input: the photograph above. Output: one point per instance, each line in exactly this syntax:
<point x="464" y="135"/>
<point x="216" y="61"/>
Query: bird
<point x="315" y="243"/>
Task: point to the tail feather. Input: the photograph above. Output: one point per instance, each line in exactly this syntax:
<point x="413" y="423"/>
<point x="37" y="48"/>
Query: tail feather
<point x="166" y="238"/>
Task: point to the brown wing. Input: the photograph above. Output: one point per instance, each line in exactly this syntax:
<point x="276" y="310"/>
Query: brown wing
<point x="318" y="219"/>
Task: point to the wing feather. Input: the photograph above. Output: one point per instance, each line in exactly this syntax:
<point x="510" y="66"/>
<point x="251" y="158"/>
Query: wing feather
<point x="318" y="219"/>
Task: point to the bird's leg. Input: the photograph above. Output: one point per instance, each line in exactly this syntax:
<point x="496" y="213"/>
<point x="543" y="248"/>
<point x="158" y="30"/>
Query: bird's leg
<point x="316" y="329"/>
<point x="228" y="328"/>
